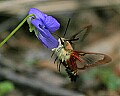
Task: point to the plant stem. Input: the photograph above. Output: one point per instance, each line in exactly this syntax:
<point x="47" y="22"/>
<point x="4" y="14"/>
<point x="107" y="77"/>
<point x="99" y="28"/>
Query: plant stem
<point x="15" y="30"/>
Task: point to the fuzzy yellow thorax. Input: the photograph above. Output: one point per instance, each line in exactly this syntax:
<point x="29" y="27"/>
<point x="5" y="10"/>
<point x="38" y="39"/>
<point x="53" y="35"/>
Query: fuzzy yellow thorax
<point x="63" y="51"/>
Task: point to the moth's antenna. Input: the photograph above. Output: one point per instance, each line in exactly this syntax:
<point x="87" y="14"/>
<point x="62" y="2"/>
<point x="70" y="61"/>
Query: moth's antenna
<point x="57" y="35"/>
<point x="66" y="27"/>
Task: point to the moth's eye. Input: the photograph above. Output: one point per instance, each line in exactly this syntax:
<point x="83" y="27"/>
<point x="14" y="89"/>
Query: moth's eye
<point x="62" y="42"/>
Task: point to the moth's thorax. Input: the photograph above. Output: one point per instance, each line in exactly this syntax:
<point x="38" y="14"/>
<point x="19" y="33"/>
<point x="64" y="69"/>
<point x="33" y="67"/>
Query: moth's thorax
<point x="63" y="51"/>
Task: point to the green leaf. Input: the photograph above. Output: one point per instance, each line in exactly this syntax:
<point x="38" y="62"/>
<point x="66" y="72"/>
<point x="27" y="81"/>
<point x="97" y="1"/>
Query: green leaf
<point x="6" y="87"/>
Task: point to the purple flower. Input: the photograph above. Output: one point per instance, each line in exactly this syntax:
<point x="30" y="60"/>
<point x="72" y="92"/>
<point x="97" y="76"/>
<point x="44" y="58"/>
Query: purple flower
<point x="43" y="25"/>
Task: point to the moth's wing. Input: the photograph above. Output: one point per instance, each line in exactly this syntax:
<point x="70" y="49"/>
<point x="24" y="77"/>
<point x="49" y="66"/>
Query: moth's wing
<point x="81" y="35"/>
<point x="93" y="59"/>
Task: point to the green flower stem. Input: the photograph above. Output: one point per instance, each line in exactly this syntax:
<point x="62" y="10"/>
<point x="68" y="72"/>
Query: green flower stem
<point x="15" y="30"/>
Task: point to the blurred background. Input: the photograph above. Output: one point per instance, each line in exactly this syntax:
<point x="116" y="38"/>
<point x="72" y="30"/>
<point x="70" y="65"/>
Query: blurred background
<point x="26" y="66"/>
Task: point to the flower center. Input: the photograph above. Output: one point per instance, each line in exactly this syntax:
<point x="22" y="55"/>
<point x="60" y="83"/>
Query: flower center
<point x="41" y="26"/>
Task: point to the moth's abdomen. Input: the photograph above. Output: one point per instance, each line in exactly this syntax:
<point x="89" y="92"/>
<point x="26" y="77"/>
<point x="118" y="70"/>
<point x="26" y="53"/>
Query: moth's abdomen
<point x="72" y="74"/>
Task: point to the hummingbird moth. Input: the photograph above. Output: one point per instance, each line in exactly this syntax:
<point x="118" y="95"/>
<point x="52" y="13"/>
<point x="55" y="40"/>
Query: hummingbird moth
<point x="69" y="57"/>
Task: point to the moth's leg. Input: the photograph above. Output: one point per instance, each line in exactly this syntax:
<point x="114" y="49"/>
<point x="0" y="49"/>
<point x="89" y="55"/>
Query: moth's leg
<point x="55" y="59"/>
<point x="59" y="66"/>
<point x="52" y="54"/>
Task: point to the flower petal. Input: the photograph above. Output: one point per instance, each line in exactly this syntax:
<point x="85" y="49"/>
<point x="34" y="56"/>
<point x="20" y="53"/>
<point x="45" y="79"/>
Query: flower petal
<point x="49" y="42"/>
<point x="39" y="15"/>
<point x="40" y="26"/>
<point x="44" y="35"/>
<point x="51" y="24"/>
